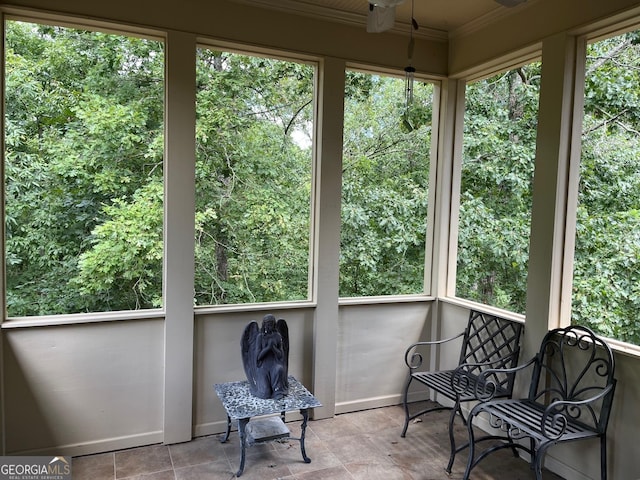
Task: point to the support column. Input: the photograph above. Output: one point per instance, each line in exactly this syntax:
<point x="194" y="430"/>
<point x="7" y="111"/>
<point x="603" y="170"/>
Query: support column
<point x="328" y="186"/>
<point x="445" y="183"/>
<point x="558" y="102"/>
<point x="179" y="224"/>
<point x="447" y="187"/>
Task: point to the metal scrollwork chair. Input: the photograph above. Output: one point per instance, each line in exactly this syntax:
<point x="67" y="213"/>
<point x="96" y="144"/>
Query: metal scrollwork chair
<point x="570" y="399"/>
<point x="488" y="342"/>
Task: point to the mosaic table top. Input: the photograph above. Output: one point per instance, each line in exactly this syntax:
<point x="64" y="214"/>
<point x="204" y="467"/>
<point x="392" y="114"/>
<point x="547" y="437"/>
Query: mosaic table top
<point x="240" y="403"/>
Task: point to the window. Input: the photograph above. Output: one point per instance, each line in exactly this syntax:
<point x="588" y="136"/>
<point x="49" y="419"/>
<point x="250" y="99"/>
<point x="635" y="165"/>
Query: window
<point x="495" y="195"/>
<point x="385" y="186"/>
<point x="606" y="276"/>
<point x="83" y="170"/>
<point x="253" y="178"/>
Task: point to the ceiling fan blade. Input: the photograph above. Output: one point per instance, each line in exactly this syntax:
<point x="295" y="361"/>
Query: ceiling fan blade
<point x="382" y="15"/>
<point x="380" y="18"/>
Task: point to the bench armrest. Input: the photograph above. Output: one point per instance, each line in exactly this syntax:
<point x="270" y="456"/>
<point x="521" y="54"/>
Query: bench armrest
<point x="413" y="358"/>
<point x="481" y="379"/>
<point x="557" y="415"/>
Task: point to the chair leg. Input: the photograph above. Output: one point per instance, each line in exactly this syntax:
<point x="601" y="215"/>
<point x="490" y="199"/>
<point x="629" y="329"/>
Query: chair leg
<point x="603" y="457"/>
<point x="405" y="404"/>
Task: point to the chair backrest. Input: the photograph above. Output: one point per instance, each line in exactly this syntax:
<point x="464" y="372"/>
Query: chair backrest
<point x="573" y="364"/>
<point x="491" y="342"/>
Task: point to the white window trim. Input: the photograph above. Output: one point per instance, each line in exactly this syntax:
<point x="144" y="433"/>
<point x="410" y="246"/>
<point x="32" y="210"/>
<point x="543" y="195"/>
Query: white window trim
<point x="566" y="299"/>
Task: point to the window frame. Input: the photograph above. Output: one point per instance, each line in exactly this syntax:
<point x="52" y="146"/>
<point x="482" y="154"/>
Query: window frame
<point x="499" y="67"/>
<point x="582" y="39"/>
<point x="430" y="273"/>
<point x="17" y="14"/>
<point x="313" y="61"/>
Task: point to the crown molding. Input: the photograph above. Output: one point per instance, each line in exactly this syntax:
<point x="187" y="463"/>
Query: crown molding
<point x="344" y="17"/>
<point x="489" y="18"/>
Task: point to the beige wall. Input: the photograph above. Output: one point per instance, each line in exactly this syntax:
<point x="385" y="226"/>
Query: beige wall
<point x="371" y="343"/>
<point x="87" y="388"/>
<point x="538" y="19"/>
<point x="218" y="358"/>
<point x="83" y="388"/>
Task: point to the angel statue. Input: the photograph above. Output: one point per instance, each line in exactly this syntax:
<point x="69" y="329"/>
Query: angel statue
<point x="265" y="355"/>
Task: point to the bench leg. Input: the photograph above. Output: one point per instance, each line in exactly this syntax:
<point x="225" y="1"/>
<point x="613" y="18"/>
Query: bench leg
<point x="452" y="440"/>
<point x="405" y="404"/>
<point x="472" y="447"/>
<point x="539" y="458"/>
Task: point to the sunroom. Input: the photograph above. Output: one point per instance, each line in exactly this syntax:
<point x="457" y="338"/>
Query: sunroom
<point x="510" y="108"/>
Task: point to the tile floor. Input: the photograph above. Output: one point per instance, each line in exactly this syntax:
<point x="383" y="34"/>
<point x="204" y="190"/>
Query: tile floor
<point x="361" y="445"/>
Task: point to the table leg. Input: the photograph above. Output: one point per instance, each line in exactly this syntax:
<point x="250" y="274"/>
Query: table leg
<point x="225" y="437"/>
<point x="303" y="428"/>
<point x="242" y="425"/>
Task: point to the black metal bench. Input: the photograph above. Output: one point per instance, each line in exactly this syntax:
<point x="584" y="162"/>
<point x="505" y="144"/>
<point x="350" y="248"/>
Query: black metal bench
<point x="570" y="398"/>
<point x="488" y="342"/>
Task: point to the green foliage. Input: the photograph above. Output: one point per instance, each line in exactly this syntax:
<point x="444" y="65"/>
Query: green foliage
<point x="84" y="180"/>
<point x="83" y="139"/>
<point x="606" y="292"/>
<point x="253" y="179"/>
<point x="124" y="267"/>
<point x="384" y="187"/>
<point x="495" y="200"/>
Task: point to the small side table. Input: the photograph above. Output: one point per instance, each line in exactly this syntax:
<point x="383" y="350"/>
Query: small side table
<point x="241" y="405"/>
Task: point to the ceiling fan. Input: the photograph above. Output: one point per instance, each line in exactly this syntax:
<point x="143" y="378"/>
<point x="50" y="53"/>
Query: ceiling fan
<point x="382" y="13"/>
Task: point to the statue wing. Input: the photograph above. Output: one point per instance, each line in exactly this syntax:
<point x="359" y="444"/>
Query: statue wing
<point x="283" y="330"/>
<point x="250" y="352"/>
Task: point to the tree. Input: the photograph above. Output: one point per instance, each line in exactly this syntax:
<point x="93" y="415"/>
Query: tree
<point x="253" y="179"/>
<point x="84" y="192"/>
<point x="497" y="175"/>
<point x="606" y="295"/>
<point x="83" y="137"/>
<point x="384" y="186"/>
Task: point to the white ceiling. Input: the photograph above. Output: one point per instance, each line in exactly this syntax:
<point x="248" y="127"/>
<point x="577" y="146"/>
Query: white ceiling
<point x="435" y="15"/>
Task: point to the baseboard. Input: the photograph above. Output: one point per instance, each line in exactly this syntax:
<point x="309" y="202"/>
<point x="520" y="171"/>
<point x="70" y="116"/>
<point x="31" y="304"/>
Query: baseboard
<point x="211" y="428"/>
<point x="368" y="403"/>
<point x="97" y="446"/>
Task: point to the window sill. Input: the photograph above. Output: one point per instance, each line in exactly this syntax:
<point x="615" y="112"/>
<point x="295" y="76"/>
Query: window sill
<point x="460" y="302"/>
<point x="343" y="301"/>
<point x="623" y="348"/>
<point x="79" y="318"/>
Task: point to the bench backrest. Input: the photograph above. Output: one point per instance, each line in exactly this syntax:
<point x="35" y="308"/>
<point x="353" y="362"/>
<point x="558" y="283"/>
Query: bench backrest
<point x="491" y="342"/>
<point x="574" y="364"/>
